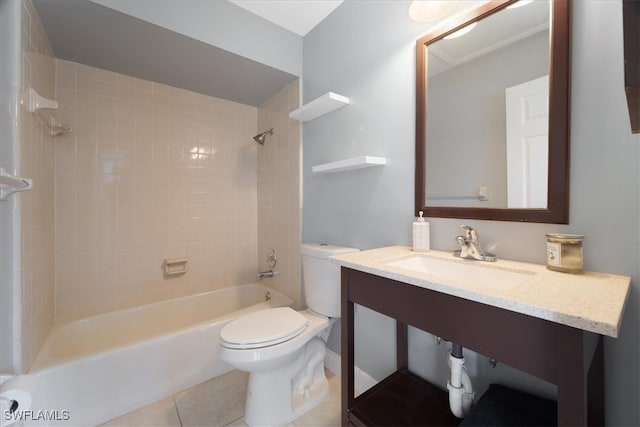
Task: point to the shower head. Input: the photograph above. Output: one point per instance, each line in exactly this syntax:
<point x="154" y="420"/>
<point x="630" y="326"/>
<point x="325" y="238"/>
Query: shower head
<point x="259" y="138"/>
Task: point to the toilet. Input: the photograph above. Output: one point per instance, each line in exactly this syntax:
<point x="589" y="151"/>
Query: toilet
<point x="282" y="349"/>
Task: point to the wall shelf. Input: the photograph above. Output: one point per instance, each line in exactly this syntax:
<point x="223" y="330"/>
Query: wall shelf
<point x="327" y="103"/>
<point x="350" y="164"/>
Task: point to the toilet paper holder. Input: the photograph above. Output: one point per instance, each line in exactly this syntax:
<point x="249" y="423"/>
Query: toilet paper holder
<point x="16" y="396"/>
<point x="8" y="403"/>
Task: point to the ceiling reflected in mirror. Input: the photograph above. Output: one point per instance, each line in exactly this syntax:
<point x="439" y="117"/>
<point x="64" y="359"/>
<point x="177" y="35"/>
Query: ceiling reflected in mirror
<point x="498" y="32"/>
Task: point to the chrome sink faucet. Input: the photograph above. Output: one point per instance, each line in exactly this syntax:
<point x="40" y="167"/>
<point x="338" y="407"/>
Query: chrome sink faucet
<point x="470" y="246"/>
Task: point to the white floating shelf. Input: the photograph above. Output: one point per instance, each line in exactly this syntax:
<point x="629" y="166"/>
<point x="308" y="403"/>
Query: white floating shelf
<point x="350" y="164"/>
<point x="325" y="104"/>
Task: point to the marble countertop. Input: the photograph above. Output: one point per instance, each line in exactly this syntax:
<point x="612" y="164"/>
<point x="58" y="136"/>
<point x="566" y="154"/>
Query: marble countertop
<point x="590" y="301"/>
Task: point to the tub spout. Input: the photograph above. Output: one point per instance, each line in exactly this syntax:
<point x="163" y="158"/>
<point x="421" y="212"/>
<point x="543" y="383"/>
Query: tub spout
<point x="266" y="274"/>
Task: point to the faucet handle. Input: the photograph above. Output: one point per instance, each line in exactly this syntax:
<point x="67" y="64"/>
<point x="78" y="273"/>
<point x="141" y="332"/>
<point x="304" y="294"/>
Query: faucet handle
<point x="470" y="233"/>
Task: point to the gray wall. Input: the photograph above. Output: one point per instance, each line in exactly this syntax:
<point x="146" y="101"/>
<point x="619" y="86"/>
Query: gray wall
<point x="365" y="50"/>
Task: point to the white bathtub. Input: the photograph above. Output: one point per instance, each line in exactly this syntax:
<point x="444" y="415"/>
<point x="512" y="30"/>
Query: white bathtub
<point x="104" y="366"/>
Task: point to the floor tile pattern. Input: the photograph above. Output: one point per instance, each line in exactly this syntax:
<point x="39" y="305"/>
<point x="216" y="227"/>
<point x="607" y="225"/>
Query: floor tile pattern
<point x="220" y="402"/>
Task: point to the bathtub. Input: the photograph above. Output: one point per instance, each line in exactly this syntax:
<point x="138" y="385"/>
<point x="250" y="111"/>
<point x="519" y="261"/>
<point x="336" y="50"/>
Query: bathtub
<point x="104" y="366"/>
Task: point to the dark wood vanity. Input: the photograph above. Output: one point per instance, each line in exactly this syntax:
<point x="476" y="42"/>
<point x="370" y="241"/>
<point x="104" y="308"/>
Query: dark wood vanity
<point x="566" y="356"/>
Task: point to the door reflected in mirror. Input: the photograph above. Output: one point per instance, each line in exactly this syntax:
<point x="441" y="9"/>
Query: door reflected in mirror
<point x="487" y="102"/>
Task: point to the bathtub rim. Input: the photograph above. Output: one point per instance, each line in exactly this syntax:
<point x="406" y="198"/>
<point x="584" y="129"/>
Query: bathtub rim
<point x="40" y="366"/>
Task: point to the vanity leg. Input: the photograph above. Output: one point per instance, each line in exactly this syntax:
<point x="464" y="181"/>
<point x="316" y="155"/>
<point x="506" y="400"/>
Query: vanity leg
<point x="402" y="349"/>
<point x="572" y="392"/>
<point x="347" y="357"/>
<point x="595" y="384"/>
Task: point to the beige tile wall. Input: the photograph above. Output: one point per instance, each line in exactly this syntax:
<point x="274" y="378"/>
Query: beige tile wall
<point x="279" y="191"/>
<point x="37" y="214"/>
<point x="150" y="172"/>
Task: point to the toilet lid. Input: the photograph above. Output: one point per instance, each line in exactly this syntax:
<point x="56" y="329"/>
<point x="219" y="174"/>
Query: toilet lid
<point x="263" y="328"/>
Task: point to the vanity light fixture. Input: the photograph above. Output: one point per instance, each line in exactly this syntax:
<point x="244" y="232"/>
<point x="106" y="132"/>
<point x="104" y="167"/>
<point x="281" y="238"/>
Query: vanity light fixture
<point x="430" y="10"/>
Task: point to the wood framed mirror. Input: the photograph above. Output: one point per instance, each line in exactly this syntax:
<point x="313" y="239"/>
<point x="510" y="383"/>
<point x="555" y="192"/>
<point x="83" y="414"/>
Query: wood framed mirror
<point x="631" y="34"/>
<point x="461" y="142"/>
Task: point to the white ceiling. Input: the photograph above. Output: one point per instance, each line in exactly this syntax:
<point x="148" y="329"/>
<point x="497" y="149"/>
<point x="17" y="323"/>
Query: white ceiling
<point x="297" y="16"/>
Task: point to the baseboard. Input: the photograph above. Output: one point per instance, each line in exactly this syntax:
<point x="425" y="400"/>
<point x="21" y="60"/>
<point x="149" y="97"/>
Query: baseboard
<point x="332" y="362"/>
<point x="363" y="381"/>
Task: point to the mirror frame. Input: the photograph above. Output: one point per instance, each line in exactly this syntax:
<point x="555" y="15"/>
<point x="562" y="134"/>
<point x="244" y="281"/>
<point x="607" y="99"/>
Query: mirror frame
<point x="557" y="210"/>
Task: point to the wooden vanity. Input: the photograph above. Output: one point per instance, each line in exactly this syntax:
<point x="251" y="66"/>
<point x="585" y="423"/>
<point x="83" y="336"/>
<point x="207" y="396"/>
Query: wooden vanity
<point x="550" y="326"/>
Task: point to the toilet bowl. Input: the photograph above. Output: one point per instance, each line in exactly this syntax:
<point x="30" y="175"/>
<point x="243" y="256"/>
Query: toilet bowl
<point x="279" y="372"/>
<point x="283" y="349"/>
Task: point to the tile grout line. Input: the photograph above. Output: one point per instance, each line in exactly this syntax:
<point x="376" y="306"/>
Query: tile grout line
<point x="235" y="421"/>
<point x="175" y="405"/>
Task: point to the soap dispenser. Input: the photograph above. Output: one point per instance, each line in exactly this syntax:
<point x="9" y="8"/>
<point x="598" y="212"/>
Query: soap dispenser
<point x="421" y="235"/>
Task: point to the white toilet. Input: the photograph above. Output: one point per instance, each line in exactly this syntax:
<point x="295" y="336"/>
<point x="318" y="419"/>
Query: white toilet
<point x="284" y="349"/>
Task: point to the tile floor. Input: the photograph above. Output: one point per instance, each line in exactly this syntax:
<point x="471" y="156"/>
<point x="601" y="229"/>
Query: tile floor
<point x="220" y="402"/>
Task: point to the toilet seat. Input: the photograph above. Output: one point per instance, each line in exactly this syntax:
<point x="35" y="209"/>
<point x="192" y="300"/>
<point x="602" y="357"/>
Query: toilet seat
<point x="263" y="328"/>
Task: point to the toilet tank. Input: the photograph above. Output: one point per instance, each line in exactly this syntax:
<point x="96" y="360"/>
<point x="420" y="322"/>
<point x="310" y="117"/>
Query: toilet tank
<point x="321" y="277"/>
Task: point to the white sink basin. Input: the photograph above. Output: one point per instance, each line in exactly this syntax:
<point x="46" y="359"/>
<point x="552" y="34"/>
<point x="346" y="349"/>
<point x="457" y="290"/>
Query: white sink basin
<point x="462" y="271"/>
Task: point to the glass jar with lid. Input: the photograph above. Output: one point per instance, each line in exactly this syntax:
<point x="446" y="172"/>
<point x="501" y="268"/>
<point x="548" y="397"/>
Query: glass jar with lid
<point x="564" y="252"/>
